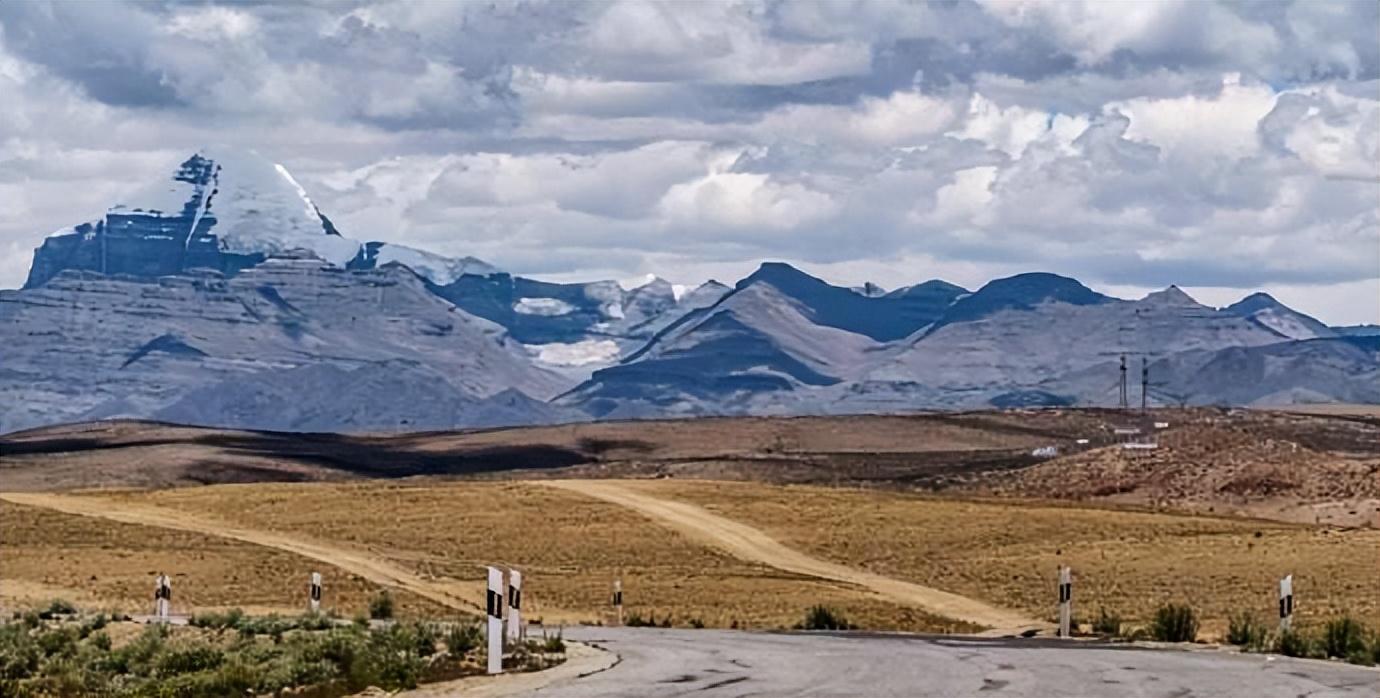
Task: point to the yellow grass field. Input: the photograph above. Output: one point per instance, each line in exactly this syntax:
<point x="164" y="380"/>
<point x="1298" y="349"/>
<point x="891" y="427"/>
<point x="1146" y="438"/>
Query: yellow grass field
<point x="570" y="547"/>
<point x="98" y="564"/>
<point x="1007" y="553"/>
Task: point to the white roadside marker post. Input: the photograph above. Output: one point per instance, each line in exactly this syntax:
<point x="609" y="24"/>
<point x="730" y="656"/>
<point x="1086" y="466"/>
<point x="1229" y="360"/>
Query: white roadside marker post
<point x="1065" y="601"/>
<point x="314" y="593"/>
<point x="618" y="601"/>
<point x="514" y="605"/>
<point x="495" y="627"/>
<point x="1286" y="602"/>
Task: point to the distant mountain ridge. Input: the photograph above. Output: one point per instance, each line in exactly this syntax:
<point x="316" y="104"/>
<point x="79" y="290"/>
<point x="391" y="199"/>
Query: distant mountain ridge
<point x="225" y="297"/>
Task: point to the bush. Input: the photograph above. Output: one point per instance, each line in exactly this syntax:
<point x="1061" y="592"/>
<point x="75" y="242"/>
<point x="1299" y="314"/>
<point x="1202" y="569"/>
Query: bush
<point x="1174" y="623"/>
<point x="1107" y="624"/>
<point x="189" y="659"/>
<point x="553" y="644"/>
<point x="57" y="607"/>
<point x="1344" y="638"/>
<point x="1243" y="630"/>
<point x="381" y="606"/>
<point x="50" y="659"/>
<point x="101" y="641"/>
<point x="1296" y="643"/>
<point x="824" y="618"/>
<point x="461" y="638"/>
<point x="425" y="636"/>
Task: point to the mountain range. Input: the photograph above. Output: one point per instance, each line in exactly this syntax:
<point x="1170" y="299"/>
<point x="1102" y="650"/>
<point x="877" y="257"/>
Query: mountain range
<point x="224" y="296"/>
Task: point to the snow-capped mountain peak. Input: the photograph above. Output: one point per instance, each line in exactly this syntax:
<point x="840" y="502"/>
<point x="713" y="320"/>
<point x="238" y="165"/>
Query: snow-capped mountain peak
<point x="223" y="209"/>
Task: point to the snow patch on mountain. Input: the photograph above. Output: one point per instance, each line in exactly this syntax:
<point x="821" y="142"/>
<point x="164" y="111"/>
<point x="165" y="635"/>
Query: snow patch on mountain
<point x="548" y="307"/>
<point x="1287" y="324"/>
<point x="439" y="269"/>
<point x="583" y="353"/>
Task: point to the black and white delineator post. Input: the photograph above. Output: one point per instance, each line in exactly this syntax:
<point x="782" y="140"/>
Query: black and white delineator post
<point x="495" y="627"/>
<point x="514" y="605"/>
<point x="162" y="597"/>
<point x="314" y="593"/>
<point x="1065" y="601"/>
<point x="1286" y="602"/>
<point x="618" y="601"/>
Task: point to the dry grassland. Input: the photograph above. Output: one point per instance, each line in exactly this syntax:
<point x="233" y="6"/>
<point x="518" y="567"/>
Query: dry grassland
<point x="1007" y="553"/>
<point x="106" y="565"/>
<point x="568" y="546"/>
<point x="571" y="546"/>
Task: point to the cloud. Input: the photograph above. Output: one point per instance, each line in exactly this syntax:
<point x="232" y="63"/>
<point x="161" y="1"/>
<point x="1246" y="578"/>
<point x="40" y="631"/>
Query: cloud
<point x="1221" y="145"/>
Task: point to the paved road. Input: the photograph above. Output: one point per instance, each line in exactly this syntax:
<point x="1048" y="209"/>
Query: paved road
<point x="716" y="664"/>
<point x="751" y="544"/>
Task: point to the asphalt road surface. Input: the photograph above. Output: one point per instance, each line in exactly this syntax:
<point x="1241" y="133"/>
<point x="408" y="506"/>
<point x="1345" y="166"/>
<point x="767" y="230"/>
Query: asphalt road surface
<point x="714" y="664"/>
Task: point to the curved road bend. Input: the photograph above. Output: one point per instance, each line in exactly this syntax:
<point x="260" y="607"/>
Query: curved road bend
<point x="656" y="663"/>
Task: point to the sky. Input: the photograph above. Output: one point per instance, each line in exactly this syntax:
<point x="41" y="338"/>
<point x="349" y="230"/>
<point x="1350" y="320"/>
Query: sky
<point x="1224" y="148"/>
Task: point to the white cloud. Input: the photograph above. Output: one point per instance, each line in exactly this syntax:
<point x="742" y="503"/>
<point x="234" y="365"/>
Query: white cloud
<point x="877" y="139"/>
<point x="1225" y="124"/>
<point x="743" y="201"/>
<point x="902" y="118"/>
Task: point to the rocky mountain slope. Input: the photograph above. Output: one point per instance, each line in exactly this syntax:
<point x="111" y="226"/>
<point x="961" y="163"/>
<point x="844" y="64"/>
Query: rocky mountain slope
<point x="225" y="297"/>
<point x="88" y="345"/>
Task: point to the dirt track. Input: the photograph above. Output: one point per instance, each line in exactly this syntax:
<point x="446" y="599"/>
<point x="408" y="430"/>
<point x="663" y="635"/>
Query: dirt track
<point x="452" y="594"/>
<point x="751" y="544"/>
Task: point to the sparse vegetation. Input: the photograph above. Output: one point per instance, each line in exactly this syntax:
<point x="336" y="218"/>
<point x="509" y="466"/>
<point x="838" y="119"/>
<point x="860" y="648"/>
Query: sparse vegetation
<point x="57" y="607"/>
<point x="553" y="644"/>
<point x="1246" y="632"/>
<point x="54" y="658"/>
<point x="1107" y="623"/>
<point x="1174" y="623"/>
<point x="1296" y="642"/>
<point x="636" y="620"/>
<point x="824" y="618"/>
<point x="381" y="606"/>
<point x="1344" y="638"/>
<point x="461" y="638"/>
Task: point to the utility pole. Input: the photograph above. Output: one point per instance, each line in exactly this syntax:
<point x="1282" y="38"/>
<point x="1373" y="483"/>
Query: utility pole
<point x="1123" y="402"/>
<point x="1144" y="383"/>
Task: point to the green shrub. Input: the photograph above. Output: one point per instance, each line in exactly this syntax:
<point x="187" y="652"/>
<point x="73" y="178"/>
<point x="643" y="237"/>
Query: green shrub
<point x="1243" y="630"/>
<point x="553" y="644"/>
<point x="101" y="641"/>
<point x="461" y="638"/>
<point x="49" y="659"/>
<point x="381" y="606"/>
<point x="424" y="639"/>
<point x="58" y="642"/>
<point x="188" y="659"/>
<point x="1174" y="623"/>
<point x="1344" y="638"/>
<point x="57" y="607"/>
<point x="697" y="623"/>
<point x="1296" y="643"/>
<point x="823" y="618"/>
<point x="1107" y="624"/>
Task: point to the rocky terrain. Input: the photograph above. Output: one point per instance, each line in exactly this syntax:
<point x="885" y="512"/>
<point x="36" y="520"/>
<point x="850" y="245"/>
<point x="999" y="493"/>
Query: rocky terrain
<point x="223" y="296"/>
